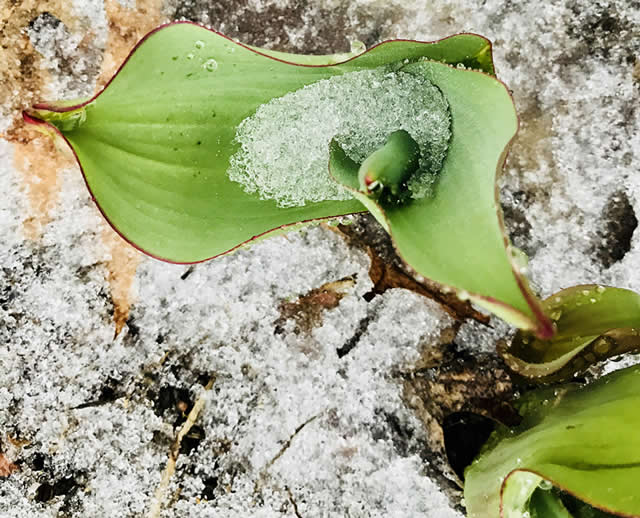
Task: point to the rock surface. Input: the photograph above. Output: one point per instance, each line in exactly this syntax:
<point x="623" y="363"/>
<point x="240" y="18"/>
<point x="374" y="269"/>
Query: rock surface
<point x="295" y="382"/>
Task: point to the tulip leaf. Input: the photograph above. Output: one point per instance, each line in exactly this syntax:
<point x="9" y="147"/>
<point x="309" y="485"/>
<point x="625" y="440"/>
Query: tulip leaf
<point x="592" y="323"/>
<point x="581" y="440"/>
<point x="154" y="145"/>
<point x="456" y="237"/>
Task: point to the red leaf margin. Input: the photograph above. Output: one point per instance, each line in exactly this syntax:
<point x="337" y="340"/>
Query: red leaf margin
<point x="544" y="329"/>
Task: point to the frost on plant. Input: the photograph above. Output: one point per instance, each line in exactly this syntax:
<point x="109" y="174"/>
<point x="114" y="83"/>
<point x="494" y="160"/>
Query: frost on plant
<point x="284" y="146"/>
<point x="215" y="157"/>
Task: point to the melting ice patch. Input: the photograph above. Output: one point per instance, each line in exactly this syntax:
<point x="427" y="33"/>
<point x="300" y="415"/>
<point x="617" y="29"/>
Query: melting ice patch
<point x="284" y="146"/>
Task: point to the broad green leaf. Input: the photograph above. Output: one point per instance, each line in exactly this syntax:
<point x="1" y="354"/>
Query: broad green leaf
<point x="154" y="145"/>
<point x="592" y="323"/>
<point x="456" y="237"/>
<point x="582" y="440"/>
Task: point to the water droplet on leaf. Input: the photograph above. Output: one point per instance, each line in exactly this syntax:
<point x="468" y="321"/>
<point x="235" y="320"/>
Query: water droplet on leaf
<point x="210" y="64"/>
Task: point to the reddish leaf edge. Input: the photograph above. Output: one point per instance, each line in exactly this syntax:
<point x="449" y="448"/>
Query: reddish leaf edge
<point x="51" y="129"/>
<point x="543" y="327"/>
<point x="51" y="106"/>
<point x="562" y="488"/>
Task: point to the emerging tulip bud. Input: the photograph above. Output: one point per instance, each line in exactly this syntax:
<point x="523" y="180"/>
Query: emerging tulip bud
<point x="390" y="166"/>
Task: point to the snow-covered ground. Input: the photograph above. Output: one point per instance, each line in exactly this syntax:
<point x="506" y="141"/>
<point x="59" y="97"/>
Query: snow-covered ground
<point x="291" y="424"/>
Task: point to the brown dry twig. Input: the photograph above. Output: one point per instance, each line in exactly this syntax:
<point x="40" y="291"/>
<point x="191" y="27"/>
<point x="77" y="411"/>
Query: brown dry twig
<point x="161" y="490"/>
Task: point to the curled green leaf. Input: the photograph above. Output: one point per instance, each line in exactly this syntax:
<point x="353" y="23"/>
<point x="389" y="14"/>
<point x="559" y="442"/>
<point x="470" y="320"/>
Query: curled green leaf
<point x="391" y="166"/>
<point x="581" y="440"/>
<point x="154" y="146"/>
<point x="455" y="236"/>
<point x="592" y="323"/>
<point x="159" y="144"/>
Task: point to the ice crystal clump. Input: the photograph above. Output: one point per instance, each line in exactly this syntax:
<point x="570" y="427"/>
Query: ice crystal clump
<point x="284" y="146"/>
